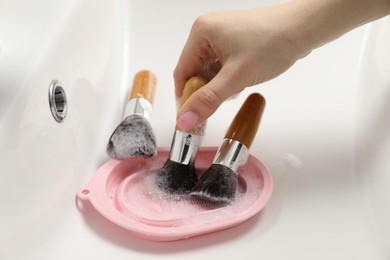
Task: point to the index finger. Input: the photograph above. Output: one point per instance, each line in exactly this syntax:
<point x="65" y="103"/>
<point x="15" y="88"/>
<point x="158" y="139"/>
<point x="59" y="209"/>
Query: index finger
<point x="188" y="65"/>
<point x="196" y="53"/>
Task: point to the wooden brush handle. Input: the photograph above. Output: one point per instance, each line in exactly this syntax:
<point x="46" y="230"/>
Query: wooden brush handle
<point x="246" y="122"/>
<point x="144" y="86"/>
<point x="192" y="85"/>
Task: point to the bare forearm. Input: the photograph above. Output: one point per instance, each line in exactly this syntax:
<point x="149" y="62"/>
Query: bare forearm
<point x="326" y="20"/>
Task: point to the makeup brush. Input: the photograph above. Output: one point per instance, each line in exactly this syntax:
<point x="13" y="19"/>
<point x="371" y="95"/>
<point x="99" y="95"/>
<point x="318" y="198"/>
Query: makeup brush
<point x="134" y="135"/>
<point x="178" y="176"/>
<point x="219" y="182"/>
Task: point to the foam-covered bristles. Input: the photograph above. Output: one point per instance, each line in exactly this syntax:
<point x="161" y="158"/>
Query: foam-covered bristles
<point x="176" y="178"/>
<point x="216" y="186"/>
<point x="133" y="137"/>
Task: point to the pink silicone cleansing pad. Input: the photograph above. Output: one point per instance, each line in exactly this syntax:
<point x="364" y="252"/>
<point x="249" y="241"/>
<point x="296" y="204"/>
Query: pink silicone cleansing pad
<point x="126" y="194"/>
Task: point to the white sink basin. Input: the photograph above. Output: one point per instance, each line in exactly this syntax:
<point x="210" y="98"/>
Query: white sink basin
<point x="325" y="134"/>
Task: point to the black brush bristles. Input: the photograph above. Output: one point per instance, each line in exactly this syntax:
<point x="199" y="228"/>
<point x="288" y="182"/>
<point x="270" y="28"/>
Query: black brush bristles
<point x="133" y="137"/>
<point x="176" y="178"/>
<point x="216" y="186"/>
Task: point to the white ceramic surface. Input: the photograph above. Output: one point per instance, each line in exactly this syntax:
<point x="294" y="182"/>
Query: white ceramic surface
<point x="324" y="135"/>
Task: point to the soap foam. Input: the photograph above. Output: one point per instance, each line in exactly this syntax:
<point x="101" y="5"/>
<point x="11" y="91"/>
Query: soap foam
<point x="290" y="162"/>
<point x="142" y="199"/>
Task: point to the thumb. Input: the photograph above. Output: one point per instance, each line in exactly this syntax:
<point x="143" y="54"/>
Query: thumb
<point x="205" y="101"/>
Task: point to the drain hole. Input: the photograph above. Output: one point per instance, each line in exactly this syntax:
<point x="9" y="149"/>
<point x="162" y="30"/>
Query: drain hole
<point x="57" y="100"/>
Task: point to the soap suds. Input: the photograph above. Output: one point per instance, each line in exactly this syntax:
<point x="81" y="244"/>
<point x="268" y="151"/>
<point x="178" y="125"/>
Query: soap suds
<point x="290" y="162"/>
<point x="142" y="198"/>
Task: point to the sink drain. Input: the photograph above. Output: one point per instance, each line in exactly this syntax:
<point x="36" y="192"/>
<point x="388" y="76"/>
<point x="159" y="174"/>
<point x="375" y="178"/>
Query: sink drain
<point x="57" y="101"/>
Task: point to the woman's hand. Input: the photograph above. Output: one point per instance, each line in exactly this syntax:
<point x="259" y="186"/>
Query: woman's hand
<point x="238" y="49"/>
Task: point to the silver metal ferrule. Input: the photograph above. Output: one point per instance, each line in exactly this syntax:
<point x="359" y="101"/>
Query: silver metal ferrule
<point x="184" y="147"/>
<point x="139" y="106"/>
<point x="231" y="154"/>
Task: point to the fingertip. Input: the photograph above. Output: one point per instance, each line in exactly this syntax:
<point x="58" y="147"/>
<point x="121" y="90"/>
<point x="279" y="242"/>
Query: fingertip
<point x="207" y="99"/>
<point x="187" y="120"/>
<point x="197" y="109"/>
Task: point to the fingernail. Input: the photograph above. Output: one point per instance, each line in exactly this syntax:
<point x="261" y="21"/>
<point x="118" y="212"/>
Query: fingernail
<point x="187" y="121"/>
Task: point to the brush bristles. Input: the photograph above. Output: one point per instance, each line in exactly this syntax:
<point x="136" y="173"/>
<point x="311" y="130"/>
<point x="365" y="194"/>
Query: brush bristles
<point x="207" y="198"/>
<point x="216" y="186"/>
<point x="133" y="137"/>
<point x="176" y="178"/>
